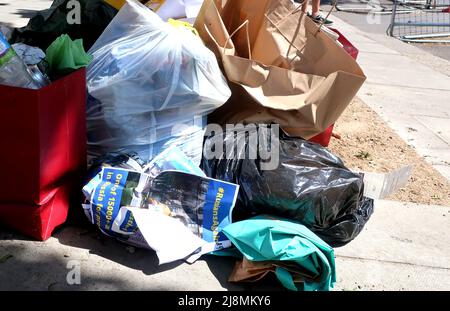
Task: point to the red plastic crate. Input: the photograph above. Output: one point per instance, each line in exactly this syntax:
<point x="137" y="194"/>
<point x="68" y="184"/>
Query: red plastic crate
<point x="43" y="158"/>
<point x="324" y="137"/>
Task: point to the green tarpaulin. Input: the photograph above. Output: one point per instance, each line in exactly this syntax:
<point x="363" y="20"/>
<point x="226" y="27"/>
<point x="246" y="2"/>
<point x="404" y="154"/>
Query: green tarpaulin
<point x="296" y="251"/>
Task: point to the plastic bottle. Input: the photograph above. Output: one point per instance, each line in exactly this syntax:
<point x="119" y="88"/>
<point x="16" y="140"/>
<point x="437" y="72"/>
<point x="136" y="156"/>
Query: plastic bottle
<point x="13" y="71"/>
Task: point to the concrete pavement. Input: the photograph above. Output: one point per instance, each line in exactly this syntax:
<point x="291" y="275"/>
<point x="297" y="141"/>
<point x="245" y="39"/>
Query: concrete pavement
<point x="403" y="247"/>
<point x="16" y="13"/>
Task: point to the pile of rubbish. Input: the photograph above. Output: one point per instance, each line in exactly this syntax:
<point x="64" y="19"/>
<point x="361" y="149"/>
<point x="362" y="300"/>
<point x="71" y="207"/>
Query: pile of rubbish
<point x="197" y="121"/>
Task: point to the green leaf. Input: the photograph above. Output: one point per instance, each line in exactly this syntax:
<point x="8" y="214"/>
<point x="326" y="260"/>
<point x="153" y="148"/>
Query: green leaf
<point x="4" y="258"/>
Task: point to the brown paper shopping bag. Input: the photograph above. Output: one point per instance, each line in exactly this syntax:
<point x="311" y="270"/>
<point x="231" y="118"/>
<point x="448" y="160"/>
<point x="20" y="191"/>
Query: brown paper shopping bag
<point x="281" y="67"/>
<point x="252" y="271"/>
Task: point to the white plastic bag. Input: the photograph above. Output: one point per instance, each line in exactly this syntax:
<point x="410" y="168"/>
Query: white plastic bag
<point x="179" y="8"/>
<point x="148" y="79"/>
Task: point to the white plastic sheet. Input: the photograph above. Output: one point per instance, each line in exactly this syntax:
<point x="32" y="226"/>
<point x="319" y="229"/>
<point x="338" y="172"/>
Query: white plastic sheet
<point x="179" y="9"/>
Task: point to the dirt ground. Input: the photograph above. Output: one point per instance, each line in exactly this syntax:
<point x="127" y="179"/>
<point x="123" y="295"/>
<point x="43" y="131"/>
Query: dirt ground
<point x="368" y="144"/>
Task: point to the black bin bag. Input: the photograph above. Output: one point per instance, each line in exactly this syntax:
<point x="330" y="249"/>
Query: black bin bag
<point x="61" y="18"/>
<point x="307" y="184"/>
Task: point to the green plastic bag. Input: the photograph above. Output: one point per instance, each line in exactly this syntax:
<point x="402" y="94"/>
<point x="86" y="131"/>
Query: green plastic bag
<point x="64" y="56"/>
<point x="288" y="245"/>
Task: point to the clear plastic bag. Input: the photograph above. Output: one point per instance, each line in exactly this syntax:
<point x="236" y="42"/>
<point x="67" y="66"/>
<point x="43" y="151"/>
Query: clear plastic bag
<point x="146" y="79"/>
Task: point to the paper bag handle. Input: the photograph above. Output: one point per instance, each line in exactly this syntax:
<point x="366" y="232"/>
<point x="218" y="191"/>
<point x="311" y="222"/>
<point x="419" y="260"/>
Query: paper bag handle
<point x="298" y="8"/>
<point x="291" y="42"/>
<point x="297" y="29"/>
<point x="326" y="17"/>
<point x="245" y="23"/>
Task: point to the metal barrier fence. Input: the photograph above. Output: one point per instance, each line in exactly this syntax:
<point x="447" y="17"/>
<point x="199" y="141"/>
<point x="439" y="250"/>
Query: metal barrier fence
<point x="411" y="20"/>
<point x="429" y="22"/>
<point x="384" y="7"/>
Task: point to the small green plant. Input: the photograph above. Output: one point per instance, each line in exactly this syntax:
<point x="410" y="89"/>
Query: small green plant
<point x="363" y="155"/>
<point x="4" y="258"/>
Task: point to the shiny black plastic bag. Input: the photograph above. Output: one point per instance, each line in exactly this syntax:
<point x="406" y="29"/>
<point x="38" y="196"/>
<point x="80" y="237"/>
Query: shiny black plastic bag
<point x="308" y="183"/>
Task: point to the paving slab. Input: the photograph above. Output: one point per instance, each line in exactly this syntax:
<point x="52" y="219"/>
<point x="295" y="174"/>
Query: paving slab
<point x="404" y="233"/>
<point x="16" y="13"/>
<point x="438" y="124"/>
<point x="370" y="46"/>
<point x="404" y="246"/>
<point x="368" y="275"/>
<point x="405" y="101"/>
<point x="395" y="69"/>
